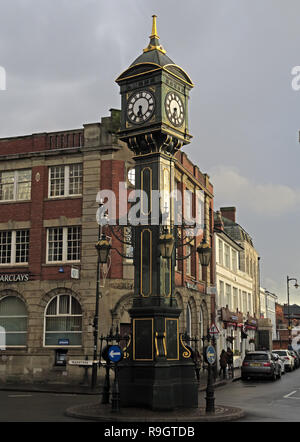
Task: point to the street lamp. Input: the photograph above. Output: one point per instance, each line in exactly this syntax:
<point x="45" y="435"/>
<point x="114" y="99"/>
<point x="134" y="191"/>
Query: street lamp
<point x="103" y="248"/>
<point x="288" y="296"/>
<point x="166" y="244"/>
<point x="204" y="252"/>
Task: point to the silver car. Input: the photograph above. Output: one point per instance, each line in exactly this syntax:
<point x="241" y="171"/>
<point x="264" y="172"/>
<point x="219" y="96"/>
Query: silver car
<point x="261" y="364"/>
<point x="280" y="361"/>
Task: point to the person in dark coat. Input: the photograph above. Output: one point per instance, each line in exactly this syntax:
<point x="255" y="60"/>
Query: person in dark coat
<point x="230" y="361"/>
<point x="223" y="363"/>
<point x="229" y="356"/>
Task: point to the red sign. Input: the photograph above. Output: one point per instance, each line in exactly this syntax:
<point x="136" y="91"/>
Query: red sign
<point x="214" y="330"/>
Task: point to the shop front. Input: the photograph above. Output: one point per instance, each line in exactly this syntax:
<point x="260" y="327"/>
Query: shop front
<point x="231" y="325"/>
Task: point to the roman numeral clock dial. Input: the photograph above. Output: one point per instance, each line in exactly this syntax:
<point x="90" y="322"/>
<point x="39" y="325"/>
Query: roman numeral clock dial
<point x="140" y="107"/>
<point x="174" y="109"/>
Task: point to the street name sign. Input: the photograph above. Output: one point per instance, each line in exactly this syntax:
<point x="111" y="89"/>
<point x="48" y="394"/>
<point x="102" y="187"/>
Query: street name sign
<point x="81" y="362"/>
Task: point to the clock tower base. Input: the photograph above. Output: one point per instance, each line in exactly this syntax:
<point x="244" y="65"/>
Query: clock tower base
<point x="159" y="373"/>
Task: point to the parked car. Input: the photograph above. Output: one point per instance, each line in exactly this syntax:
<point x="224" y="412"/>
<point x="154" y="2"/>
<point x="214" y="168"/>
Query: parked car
<point x="260" y="364"/>
<point x="280" y="361"/>
<point x="296" y="358"/>
<point x="289" y="361"/>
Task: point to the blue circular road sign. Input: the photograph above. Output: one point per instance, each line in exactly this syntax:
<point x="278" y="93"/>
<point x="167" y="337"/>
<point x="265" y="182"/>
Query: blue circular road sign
<point x="210" y="354"/>
<point x="115" y="353"/>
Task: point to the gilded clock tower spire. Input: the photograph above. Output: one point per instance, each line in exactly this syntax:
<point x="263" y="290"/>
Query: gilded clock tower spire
<point x="154" y="39"/>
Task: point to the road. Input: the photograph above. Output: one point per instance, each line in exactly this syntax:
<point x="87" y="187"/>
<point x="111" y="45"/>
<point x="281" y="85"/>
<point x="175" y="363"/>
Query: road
<point x="264" y="400"/>
<point x="39" y="407"/>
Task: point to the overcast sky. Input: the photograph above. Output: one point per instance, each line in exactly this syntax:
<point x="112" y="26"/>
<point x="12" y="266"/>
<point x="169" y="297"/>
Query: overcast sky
<point x="62" y="56"/>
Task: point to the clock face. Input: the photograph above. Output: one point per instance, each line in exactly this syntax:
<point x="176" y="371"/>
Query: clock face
<point x="174" y="109"/>
<point x="140" y="107"/>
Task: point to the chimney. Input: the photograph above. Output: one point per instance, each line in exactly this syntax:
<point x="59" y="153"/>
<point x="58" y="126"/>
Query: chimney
<point x="229" y="213"/>
<point x="218" y="222"/>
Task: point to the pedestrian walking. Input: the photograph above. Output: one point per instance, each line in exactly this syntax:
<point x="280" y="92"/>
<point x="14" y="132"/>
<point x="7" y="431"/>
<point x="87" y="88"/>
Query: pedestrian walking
<point x="230" y="360"/>
<point x="223" y="363"/>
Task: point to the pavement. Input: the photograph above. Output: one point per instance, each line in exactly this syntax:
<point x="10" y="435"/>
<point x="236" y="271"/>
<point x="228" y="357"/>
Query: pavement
<point x="57" y="388"/>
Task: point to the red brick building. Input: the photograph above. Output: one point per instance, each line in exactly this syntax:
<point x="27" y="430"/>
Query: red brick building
<point x="48" y="230"/>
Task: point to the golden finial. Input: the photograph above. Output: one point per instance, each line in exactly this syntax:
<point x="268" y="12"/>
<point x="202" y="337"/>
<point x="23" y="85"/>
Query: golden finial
<point x="154" y="39"/>
<point x="154" y="30"/>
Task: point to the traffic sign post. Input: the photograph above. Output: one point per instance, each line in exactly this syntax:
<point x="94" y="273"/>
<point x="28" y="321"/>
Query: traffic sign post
<point x="113" y="354"/>
<point x="210" y="355"/>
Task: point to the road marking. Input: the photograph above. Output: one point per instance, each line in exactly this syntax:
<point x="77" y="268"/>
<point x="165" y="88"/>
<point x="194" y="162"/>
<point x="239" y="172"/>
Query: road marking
<point x="290" y="394"/>
<point x="19" y="395"/>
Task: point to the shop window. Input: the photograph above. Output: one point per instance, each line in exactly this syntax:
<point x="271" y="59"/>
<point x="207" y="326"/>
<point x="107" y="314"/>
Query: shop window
<point x="63" y="322"/>
<point x="13" y="322"/>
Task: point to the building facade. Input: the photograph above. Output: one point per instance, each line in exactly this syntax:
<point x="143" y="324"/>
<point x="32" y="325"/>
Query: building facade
<point x="48" y="229"/>
<point x="236" y="286"/>
<point x="268" y="301"/>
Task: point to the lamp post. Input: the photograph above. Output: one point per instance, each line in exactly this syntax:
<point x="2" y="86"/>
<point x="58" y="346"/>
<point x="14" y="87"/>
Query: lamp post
<point x="204" y="252"/>
<point x="103" y="248"/>
<point x="288" y="297"/>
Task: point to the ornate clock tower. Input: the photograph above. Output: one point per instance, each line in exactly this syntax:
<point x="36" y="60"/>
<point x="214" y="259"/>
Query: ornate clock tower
<point x="158" y="371"/>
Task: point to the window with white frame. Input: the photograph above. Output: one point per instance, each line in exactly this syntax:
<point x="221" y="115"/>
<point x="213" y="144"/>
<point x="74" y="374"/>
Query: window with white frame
<point x="220" y="252"/>
<point x="221" y="294"/>
<point x="13" y="322"/>
<point x="235" y="298"/>
<point x="245" y="309"/>
<point x="131" y="176"/>
<point x="227" y="256"/>
<point x="15" y="185"/>
<point x="188" y="205"/>
<point x="128" y="246"/>
<point x="65" y="180"/>
<point x="63" y="244"/>
<point x="63" y="321"/>
<point x="228" y="295"/>
<point x="189" y="260"/>
<point x="234" y="260"/>
<point x="250" y="303"/>
<point x="14" y="247"/>
<point x="200" y="270"/>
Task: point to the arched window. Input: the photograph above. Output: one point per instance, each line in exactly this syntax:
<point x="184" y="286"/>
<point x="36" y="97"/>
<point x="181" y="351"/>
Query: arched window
<point x="188" y="320"/>
<point x="63" y="322"/>
<point x="13" y="321"/>
<point x="201" y="324"/>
